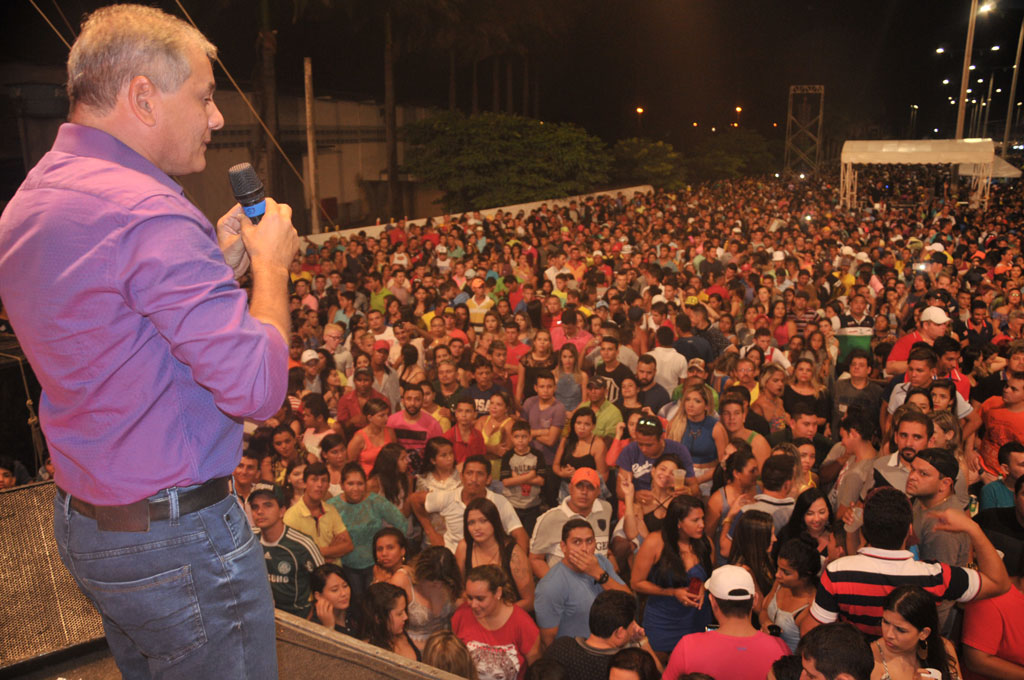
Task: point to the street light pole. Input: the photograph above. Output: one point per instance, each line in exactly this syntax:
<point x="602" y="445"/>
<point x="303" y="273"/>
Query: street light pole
<point x="1013" y="91"/>
<point x="965" y="74"/>
<point x="639" y="119"/>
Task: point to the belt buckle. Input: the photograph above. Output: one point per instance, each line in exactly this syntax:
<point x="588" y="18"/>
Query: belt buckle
<point x="133" y="517"/>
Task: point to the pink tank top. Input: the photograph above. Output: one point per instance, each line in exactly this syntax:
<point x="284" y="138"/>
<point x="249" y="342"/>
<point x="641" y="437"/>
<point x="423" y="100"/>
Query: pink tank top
<point x="368" y="456"/>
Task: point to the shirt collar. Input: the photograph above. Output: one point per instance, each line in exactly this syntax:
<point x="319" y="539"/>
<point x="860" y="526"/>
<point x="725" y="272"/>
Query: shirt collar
<point x="881" y="554"/>
<point x="82" y="140"/>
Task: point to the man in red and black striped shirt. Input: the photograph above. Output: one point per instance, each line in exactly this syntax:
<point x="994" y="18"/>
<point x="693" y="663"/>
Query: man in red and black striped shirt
<point x="853" y="588"/>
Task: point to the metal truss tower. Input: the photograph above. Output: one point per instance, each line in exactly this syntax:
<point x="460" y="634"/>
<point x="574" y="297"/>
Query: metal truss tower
<point x="804" y="117"/>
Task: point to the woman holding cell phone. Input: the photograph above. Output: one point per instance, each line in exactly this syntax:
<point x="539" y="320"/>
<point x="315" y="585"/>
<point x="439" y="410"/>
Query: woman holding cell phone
<point x="671" y="567"/>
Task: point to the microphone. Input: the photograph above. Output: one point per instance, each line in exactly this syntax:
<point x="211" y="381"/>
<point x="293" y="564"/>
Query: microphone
<point x="248" y="190"/>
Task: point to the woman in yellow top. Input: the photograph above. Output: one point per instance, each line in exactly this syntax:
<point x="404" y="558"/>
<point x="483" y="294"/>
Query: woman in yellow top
<point x="496" y="429"/>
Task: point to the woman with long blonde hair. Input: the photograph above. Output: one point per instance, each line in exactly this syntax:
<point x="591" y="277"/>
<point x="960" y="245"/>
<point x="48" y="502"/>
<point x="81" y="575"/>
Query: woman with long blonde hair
<point x="697" y="427"/>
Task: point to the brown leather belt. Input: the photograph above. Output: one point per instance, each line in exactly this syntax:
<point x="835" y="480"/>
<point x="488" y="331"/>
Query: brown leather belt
<point x="137" y="516"/>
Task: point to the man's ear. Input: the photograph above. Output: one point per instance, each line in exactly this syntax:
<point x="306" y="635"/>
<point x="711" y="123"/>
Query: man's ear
<point x="142" y="96"/>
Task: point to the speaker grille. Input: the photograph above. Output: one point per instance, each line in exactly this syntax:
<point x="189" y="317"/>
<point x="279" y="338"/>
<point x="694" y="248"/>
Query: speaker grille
<point x="43" y="610"/>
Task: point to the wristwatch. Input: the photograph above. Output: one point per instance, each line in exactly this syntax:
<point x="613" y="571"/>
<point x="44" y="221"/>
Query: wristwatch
<point x="602" y="579"/>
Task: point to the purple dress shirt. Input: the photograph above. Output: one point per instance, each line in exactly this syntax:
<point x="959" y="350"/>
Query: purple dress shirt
<point x="133" y="323"/>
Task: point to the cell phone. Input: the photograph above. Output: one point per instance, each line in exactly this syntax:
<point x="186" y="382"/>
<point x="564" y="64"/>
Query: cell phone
<point x="695" y="585"/>
<point x="921" y="267"/>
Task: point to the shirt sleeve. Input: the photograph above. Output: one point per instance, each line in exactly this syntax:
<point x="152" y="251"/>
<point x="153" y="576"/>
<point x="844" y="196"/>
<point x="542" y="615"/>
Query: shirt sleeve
<point x="390" y="513"/>
<point x="825" y="609"/>
<point x="546" y="603"/>
<point x="962" y="585"/>
<point x="963" y="407"/>
<point x="436" y="501"/>
<point x="508" y="515"/>
<point x="171" y="271"/>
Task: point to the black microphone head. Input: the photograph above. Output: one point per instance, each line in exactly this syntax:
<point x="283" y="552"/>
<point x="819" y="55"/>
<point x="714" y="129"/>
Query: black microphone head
<point x="245" y="184"/>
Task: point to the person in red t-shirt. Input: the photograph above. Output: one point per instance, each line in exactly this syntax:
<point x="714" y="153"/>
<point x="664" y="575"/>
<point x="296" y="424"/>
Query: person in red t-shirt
<point x="465" y="438"/>
<point x="934" y="324"/>
<point x="1003" y="418"/>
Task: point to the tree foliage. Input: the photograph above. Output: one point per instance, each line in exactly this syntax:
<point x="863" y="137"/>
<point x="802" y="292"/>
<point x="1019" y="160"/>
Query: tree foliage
<point x="730" y="154"/>
<point x="498" y="159"/>
<point x="645" y="161"/>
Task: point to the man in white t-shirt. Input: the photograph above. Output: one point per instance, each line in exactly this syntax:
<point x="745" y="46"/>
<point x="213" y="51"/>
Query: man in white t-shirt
<point x="672" y="366"/>
<point x="451" y="505"/>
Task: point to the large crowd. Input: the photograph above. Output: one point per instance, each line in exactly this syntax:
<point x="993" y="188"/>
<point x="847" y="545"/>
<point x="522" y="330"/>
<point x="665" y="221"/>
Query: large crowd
<point x="732" y="432"/>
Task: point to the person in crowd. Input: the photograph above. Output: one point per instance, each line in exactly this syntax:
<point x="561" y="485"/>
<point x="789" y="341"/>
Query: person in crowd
<point x="332" y="600"/>
<point x="777" y="479"/>
<point x="333" y="454"/>
<point x="613" y="627"/>
<point x="582" y="503"/>
<point x="910" y="640"/>
<point x="568" y="589"/>
<point x="671" y="567"/>
<point x="367" y="442"/>
<point x="835" y="651"/>
<point x="854" y="587"/>
<point x="486" y="542"/>
<point x="290" y="555"/>
<point x="633" y="664"/>
<point x="523" y="473"/>
<point x="545" y="415"/>
<point x="752" y="545"/>
<point x="318" y="520"/>
<point x="580" y="448"/>
<point x="448" y="653"/>
<point x="649" y="443"/>
<point x="502" y="638"/>
<point x="363" y="514"/>
<point x="993" y="629"/>
<point x="811" y="517"/>
<point x="697" y="428"/>
<point x="386" y="617"/>
<point x="734" y="410"/>
<point x="351" y="404"/>
<point x="432" y="592"/>
<point x="736" y="649"/>
<point x="451" y="506"/>
<point x="390" y="476"/>
<point x="788" y="603"/>
<point x="412" y="427"/>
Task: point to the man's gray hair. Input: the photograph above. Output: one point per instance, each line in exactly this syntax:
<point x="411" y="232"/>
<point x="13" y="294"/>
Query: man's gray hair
<point x="120" y="42"/>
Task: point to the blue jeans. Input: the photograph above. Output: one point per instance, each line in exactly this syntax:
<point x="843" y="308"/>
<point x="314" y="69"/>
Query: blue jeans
<point x="187" y="599"/>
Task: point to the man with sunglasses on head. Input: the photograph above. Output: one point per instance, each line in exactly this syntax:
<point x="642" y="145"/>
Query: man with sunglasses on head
<point x="638" y="457"/>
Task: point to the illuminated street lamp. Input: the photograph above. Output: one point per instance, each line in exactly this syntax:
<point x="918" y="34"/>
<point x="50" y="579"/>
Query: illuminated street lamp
<point x="739" y="110"/>
<point x="640" y="119"/>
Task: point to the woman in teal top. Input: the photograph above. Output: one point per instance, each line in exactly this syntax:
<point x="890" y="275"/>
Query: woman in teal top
<point x="363" y="514"/>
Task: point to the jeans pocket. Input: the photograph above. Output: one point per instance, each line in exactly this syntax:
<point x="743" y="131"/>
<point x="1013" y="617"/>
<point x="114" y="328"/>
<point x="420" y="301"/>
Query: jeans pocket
<point x="160" y="614"/>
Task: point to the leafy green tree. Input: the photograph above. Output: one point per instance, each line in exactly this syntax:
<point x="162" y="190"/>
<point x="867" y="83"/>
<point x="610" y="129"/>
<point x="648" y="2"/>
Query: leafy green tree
<point x="730" y="154"/>
<point x="645" y="161"/>
<point x="498" y="159"/>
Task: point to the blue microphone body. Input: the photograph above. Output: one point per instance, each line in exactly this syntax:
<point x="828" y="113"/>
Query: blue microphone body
<point x="248" y="190"/>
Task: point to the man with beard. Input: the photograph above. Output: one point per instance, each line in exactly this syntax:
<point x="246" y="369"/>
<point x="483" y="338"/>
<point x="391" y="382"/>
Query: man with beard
<point x="651" y="393"/>
<point x="413" y="427"/>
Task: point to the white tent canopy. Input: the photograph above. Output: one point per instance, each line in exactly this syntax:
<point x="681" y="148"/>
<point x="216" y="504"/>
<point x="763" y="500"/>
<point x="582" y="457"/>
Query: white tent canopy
<point x="1000" y="169"/>
<point x="977" y="154"/>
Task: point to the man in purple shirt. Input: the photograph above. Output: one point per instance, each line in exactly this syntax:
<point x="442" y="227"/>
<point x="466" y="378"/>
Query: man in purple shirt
<point x="148" y="358"/>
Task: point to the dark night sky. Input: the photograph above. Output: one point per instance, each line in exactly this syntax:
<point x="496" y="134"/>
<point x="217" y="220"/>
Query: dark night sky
<point x="682" y="60"/>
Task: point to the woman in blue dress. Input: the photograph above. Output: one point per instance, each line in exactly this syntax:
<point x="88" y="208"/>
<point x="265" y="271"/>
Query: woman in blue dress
<point x="671" y="567"/>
